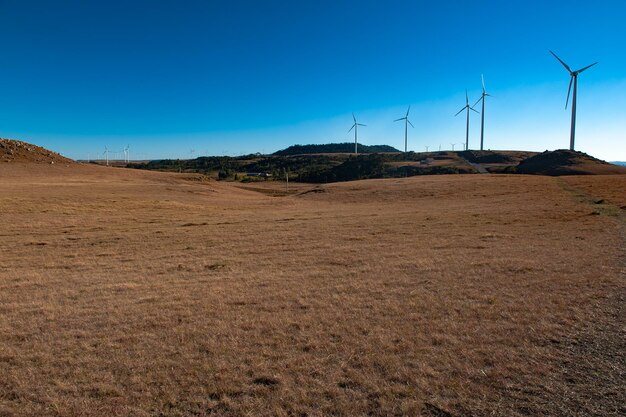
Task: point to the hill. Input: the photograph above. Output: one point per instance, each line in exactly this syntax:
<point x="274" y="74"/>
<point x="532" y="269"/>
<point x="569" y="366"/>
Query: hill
<point x="127" y="292"/>
<point x="346" y="147"/>
<point x="18" y="151"/>
<point x="495" y="157"/>
<point x="337" y="167"/>
<point x="319" y="168"/>
<point x="566" y="162"/>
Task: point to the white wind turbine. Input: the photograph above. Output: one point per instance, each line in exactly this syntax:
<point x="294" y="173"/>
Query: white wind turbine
<point x="573" y="80"/>
<point x="482" y="113"/>
<point x="467" y="107"/>
<point x="355" y="126"/>
<point x="407" y="122"/>
<point x="106" y="155"/>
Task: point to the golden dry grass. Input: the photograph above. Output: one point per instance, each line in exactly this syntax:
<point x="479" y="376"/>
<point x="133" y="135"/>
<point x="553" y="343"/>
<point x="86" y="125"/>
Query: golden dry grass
<point x="128" y="293"/>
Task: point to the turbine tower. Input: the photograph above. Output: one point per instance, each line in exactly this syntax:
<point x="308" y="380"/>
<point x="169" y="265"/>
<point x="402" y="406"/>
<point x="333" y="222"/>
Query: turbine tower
<point x="482" y="113"/>
<point x="355" y="126"/>
<point x="467" y="107"/>
<point x="407" y="122"/>
<point x="573" y="79"/>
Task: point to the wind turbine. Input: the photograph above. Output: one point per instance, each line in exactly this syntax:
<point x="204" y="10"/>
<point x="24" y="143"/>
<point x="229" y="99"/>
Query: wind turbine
<point x="426" y="146"/>
<point x="573" y="79"/>
<point x="407" y="122"/>
<point x="106" y="154"/>
<point x="127" y="154"/>
<point x="467" y="107"/>
<point x="355" y="126"/>
<point x="482" y="113"/>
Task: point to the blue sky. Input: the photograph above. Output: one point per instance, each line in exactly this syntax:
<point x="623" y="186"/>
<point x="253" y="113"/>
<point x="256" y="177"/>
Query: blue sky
<point x="237" y="77"/>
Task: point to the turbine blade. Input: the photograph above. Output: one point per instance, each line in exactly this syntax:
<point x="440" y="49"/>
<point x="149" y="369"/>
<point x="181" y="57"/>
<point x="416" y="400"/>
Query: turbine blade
<point x="466" y="98"/>
<point x="569" y="90"/>
<point x="354" y="118"/>
<point x="397" y="120"/>
<point x="587" y="67"/>
<point x="482" y="77"/>
<point x="481" y="98"/>
<point x="351" y="128"/>
<point x="460" y="111"/>
<point x="361" y="124"/>
<point x="472" y="109"/>
<point x="561" y="61"/>
<point x="410" y="122"/>
<point x="407" y="111"/>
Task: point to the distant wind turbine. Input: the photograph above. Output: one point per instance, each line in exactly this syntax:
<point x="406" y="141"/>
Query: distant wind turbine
<point x="355" y="126"/>
<point x="482" y="112"/>
<point x="467" y="107"/>
<point x="426" y="146"/>
<point x="407" y="122"/>
<point x="127" y="153"/>
<point x="453" y="145"/>
<point x="106" y="154"/>
<point x="574" y="80"/>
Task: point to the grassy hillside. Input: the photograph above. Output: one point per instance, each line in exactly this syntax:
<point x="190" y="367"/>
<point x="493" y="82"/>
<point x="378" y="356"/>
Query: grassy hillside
<point x="139" y="293"/>
<point x="566" y="162"/>
<point x="319" y="168"/>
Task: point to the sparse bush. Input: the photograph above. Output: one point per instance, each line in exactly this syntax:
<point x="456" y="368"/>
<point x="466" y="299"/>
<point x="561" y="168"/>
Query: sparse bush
<point x="224" y="174"/>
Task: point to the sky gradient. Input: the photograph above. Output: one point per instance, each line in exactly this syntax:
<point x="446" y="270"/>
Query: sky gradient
<point x="189" y="78"/>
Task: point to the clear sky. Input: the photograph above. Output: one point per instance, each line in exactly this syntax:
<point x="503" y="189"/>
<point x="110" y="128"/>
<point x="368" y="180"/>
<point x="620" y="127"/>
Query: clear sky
<point x="189" y="78"/>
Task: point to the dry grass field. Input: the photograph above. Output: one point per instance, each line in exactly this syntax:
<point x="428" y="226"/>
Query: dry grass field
<point x="135" y="293"/>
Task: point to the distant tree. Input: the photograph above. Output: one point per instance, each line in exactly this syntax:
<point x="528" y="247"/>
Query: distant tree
<point x="346" y="147"/>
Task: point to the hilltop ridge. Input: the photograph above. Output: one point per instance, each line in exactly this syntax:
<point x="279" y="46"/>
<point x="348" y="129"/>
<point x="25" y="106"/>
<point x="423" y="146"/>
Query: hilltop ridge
<point x="345" y="147"/>
<point x="18" y="151"/>
<point x="566" y="162"/>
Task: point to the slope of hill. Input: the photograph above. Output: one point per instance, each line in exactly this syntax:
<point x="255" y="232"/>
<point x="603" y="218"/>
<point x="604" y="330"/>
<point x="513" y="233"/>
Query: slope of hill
<point x="495" y="157"/>
<point x="333" y="148"/>
<point x="566" y="162"/>
<point x="127" y="292"/>
<point x="18" y="151"/>
<point x="320" y="168"/>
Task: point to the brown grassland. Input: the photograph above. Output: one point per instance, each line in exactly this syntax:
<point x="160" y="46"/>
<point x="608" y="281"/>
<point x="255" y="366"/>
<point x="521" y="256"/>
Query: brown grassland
<point x="134" y="293"/>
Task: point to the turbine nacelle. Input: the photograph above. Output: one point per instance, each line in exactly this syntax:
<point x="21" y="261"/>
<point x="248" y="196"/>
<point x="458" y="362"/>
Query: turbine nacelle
<point x="406" y="117"/>
<point x="573" y="75"/>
